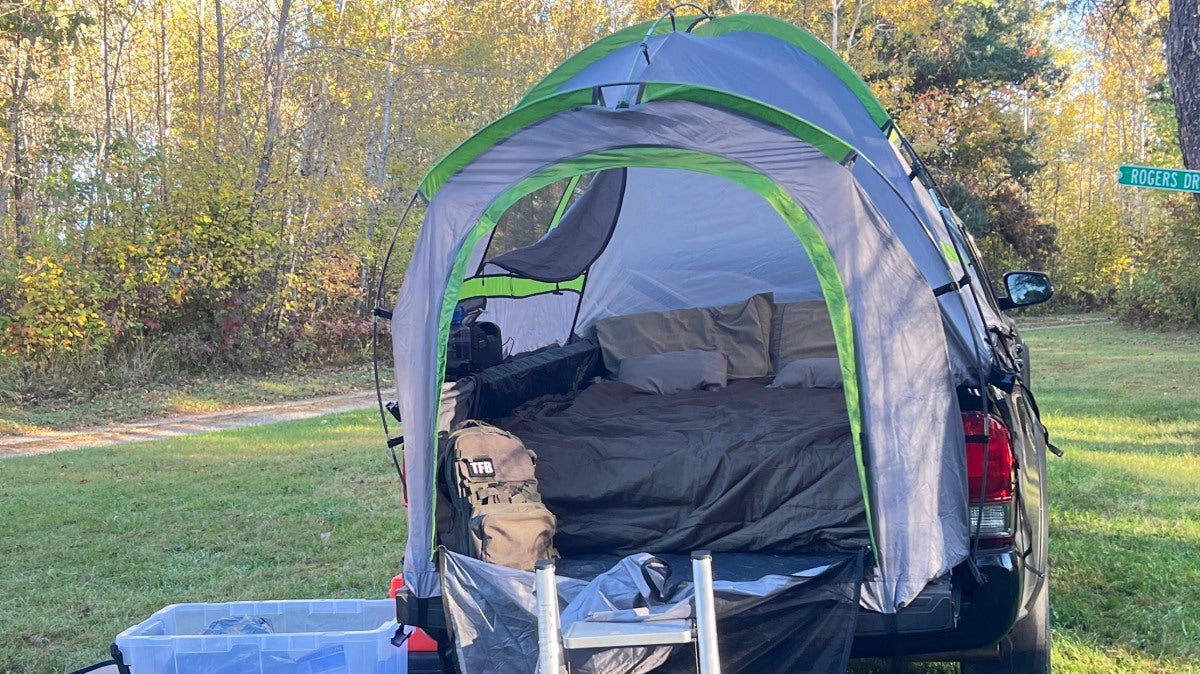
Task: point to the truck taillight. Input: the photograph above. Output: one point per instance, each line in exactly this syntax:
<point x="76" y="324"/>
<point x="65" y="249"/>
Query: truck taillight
<point x="990" y="478"/>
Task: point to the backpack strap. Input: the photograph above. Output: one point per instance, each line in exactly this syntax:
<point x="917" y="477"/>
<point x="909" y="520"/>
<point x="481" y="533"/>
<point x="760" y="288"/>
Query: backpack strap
<point x="496" y="492"/>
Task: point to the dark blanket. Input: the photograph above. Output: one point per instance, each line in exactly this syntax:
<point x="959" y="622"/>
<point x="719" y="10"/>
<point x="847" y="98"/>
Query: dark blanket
<point x="745" y="468"/>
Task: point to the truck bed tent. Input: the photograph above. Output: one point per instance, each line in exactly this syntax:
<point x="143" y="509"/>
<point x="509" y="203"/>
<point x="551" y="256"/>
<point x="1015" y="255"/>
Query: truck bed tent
<point x="723" y="158"/>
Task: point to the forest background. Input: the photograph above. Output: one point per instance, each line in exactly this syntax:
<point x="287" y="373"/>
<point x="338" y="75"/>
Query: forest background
<point x="200" y="184"/>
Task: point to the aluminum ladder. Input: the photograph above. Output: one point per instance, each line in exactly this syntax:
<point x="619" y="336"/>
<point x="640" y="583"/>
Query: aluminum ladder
<point x="702" y="630"/>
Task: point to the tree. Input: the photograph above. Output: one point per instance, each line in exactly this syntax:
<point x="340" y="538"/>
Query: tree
<point x="36" y="34"/>
<point x="962" y="89"/>
<point x="1183" y="58"/>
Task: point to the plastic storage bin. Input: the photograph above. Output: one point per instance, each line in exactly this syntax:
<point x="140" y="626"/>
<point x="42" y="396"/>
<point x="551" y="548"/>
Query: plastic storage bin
<point x="306" y="637"/>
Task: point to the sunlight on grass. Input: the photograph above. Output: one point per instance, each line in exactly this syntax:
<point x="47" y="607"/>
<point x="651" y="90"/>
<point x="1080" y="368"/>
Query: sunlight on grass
<point x="191" y="395"/>
<point x="1164" y="470"/>
<point x="1091" y="524"/>
<point x="1183" y="436"/>
<point x="1077" y="656"/>
<point x="9" y="427"/>
<point x="1125" y="519"/>
<point x="272" y="386"/>
<point x="194" y="405"/>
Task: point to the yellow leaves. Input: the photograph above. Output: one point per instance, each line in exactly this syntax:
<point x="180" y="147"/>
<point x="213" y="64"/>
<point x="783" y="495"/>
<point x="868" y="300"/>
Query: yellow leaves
<point x="909" y="16"/>
<point x="57" y="309"/>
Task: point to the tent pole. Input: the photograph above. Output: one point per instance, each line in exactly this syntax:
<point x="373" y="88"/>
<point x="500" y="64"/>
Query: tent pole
<point x="644" y="50"/>
<point x="378" y="313"/>
<point x="706" y="613"/>
<point x="550" y="655"/>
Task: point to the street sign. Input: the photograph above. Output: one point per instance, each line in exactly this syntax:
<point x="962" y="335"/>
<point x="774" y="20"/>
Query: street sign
<point x="1156" y="178"/>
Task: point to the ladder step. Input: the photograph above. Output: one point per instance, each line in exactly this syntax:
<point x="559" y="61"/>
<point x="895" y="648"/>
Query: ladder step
<point x="584" y="634"/>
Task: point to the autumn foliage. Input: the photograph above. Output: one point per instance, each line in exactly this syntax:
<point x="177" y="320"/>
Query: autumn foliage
<point x="221" y="178"/>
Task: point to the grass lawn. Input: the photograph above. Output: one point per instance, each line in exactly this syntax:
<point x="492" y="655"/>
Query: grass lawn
<point x="1125" y="501"/>
<point x="96" y="540"/>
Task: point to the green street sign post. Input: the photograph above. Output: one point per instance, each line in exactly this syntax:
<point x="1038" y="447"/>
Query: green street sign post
<point x="1155" y="178"/>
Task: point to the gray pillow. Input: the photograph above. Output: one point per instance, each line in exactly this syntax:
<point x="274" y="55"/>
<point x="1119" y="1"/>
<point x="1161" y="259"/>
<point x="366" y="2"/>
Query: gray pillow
<point x="809" y="373"/>
<point x="674" y="371"/>
<point x="801" y="330"/>
<point x="741" y="331"/>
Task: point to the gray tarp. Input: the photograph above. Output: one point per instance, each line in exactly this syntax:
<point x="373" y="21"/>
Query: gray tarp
<point x="796" y="619"/>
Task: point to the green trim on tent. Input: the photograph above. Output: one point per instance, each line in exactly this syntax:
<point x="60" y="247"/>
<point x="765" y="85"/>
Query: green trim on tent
<point x="550" y="84"/>
<point x="954" y="256"/>
<point x="833" y="147"/>
<point x="676" y="158"/>
<point x="503" y="285"/>
<point x="769" y="25"/>
<point x="563" y="201"/>
<point x="717" y="26"/>
<point x="497" y="131"/>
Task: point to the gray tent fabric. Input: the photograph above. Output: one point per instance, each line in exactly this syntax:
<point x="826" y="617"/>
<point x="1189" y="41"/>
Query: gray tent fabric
<point x="787" y="77"/>
<point x="736" y="252"/>
<point x="912" y="434"/>
<point x="801" y="620"/>
<point x="571" y="247"/>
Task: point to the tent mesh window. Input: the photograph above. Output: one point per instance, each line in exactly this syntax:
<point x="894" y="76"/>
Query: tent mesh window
<point x="528" y="220"/>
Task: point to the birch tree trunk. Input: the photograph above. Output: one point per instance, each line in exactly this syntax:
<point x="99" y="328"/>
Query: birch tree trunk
<point x="366" y="264"/>
<point x="200" y="67"/>
<point x="276" y="76"/>
<point x="19" y="176"/>
<point x="109" y="78"/>
<point x="220" y="113"/>
<point x="164" y="99"/>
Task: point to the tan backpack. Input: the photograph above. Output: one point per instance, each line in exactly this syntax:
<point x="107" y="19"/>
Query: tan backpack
<point x="498" y="515"/>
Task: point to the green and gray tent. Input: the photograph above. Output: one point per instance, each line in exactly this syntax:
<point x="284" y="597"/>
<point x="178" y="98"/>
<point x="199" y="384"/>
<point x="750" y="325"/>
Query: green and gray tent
<point x="722" y="158"/>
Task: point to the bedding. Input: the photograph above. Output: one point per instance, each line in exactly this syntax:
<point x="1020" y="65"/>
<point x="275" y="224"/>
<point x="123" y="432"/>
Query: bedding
<point x="741" y="331"/>
<point x="801" y="330"/>
<point x="745" y="468"/>
<point x="675" y="371"/>
<point x="809" y="373"/>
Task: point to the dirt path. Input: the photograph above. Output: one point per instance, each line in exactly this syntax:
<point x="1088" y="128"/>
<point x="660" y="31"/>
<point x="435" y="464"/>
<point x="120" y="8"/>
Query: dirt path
<point x="1069" y="324"/>
<point x="156" y="429"/>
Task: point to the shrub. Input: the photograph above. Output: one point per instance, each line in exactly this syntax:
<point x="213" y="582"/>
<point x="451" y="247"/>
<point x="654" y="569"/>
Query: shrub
<point x="1094" y="259"/>
<point x="1164" y="289"/>
<point x="57" y="309"/>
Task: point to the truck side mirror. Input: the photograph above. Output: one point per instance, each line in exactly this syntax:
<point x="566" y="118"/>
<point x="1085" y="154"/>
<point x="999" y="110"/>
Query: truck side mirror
<point x="1026" y="288"/>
